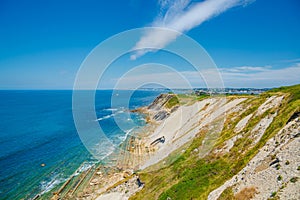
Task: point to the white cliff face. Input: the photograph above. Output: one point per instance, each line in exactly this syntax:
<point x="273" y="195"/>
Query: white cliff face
<point x="183" y="125"/>
<point x="273" y="101"/>
<point x="241" y="125"/>
<point x="272" y="170"/>
<point x="267" y="179"/>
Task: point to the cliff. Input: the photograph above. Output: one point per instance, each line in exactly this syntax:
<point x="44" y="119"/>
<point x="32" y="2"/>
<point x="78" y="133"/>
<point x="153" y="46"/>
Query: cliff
<point x="160" y="108"/>
<point x="222" y="147"/>
<point x="254" y="155"/>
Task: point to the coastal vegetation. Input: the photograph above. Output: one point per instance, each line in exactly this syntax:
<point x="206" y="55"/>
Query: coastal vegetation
<point x="191" y="177"/>
<point x="195" y="170"/>
<point x="172" y="102"/>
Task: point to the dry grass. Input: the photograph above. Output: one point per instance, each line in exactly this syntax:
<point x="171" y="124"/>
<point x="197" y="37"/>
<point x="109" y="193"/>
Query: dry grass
<point x="246" y="193"/>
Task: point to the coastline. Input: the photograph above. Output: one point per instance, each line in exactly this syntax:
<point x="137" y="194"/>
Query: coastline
<point x="126" y="160"/>
<point x="145" y="147"/>
<point x="191" y="127"/>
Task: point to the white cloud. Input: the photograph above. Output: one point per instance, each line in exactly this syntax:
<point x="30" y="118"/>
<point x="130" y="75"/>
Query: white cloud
<point x="263" y="77"/>
<point x="248" y="69"/>
<point x="181" y="16"/>
<point x="257" y="77"/>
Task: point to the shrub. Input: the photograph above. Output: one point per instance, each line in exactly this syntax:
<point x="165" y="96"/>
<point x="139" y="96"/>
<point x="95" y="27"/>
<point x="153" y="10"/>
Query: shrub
<point x="294" y="179"/>
<point x="273" y="194"/>
<point x="287" y="162"/>
<point x="279" y="178"/>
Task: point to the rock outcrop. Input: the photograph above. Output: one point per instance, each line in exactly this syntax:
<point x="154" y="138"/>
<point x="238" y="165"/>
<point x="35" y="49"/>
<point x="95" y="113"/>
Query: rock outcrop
<point x="160" y="108"/>
<point x="274" y="171"/>
<point x="160" y="102"/>
<point x="236" y="147"/>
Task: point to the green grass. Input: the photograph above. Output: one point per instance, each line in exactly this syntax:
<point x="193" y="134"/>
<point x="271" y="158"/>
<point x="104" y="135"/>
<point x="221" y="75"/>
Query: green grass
<point x="189" y="177"/>
<point x="184" y="99"/>
<point x="188" y="99"/>
<point x="172" y="102"/>
<point x="227" y="194"/>
<point x="196" y="179"/>
<point x="294" y="91"/>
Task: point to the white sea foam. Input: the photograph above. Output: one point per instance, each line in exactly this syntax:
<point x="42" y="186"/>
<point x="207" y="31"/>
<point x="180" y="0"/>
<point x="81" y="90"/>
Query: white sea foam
<point x="103" y="149"/>
<point x="111" y="109"/>
<point x="123" y="137"/>
<point x="115" y="112"/>
<point x="105" y="117"/>
<point x="84" y="167"/>
<point x="46" y="186"/>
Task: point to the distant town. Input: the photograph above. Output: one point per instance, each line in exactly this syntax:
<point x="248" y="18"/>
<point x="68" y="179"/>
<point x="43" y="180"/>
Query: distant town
<point x="212" y="91"/>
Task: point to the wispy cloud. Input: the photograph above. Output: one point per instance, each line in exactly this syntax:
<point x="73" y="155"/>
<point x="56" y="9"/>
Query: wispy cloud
<point x="181" y="16"/>
<point x="247" y="69"/>
<point x="295" y="60"/>
<point x="262" y="77"/>
<point x="257" y="77"/>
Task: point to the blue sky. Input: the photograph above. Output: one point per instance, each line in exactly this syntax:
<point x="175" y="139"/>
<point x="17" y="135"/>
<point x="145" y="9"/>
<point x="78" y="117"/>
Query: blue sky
<point x="43" y="43"/>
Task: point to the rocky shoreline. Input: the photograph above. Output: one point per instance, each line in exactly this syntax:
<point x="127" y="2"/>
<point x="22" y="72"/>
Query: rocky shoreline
<point x="173" y="127"/>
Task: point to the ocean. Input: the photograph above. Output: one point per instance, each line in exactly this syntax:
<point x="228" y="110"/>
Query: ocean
<point x="39" y="144"/>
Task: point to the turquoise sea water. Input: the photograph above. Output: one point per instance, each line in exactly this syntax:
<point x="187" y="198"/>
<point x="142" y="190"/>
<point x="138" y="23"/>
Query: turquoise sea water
<point x="37" y="127"/>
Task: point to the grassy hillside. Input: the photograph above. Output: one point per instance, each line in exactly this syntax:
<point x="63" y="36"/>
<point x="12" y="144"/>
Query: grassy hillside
<point x="192" y="177"/>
